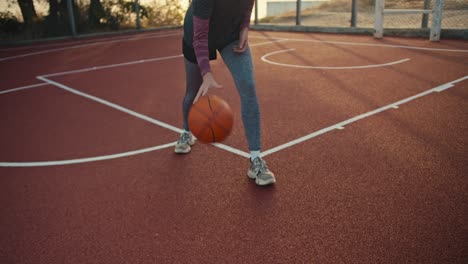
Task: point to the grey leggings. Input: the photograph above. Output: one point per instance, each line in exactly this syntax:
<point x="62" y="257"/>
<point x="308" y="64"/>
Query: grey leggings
<point x="241" y="68"/>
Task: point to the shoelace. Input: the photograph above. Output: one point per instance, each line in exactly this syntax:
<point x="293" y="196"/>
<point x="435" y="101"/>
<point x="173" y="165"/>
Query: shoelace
<point x="260" y="165"/>
<point x="185" y="138"/>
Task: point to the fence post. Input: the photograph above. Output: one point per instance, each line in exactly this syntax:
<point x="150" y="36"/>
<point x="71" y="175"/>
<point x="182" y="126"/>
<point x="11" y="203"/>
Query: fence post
<point x="378" y="26"/>
<point x="137" y="12"/>
<point x="353" y="13"/>
<point x="437" y="20"/>
<point x="298" y="12"/>
<point x="425" y="17"/>
<point x="71" y="16"/>
<point x="256" y="12"/>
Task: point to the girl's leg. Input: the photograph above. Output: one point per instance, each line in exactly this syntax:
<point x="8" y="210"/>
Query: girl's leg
<point x="241" y="68"/>
<point x="193" y="81"/>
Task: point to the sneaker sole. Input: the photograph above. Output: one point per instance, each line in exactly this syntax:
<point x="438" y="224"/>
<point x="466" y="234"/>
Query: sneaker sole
<point x="186" y="150"/>
<point x="251" y="175"/>
<point x="258" y="181"/>
<point x="264" y="182"/>
<point x="183" y="151"/>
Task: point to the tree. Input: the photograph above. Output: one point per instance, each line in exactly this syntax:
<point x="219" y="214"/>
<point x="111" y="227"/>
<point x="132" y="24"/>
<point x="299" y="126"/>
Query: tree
<point x="57" y="22"/>
<point x="96" y="12"/>
<point x="28" y="11"/>
<point x="52" y="20"/>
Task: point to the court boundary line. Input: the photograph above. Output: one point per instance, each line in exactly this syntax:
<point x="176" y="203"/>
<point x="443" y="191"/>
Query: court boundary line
<point x="264" y="58"/>
<point x="80" y="41"/>
<point x="135" y="114"/>
<point x="337" y="126"/>
<point x="81" y="46"/>
<point x="107" y="67"/>
<point x="47" y="81"/>
<point x="272" y="40"/>
<point x="23" y="88"/>
<point x="112" y="65"/>
<point x="361" y="44"/>
<point x="85" y="160"/>
<point x="341" y="125"/>
<point x="110" y="104"/>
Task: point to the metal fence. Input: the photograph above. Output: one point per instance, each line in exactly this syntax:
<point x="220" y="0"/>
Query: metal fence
<point x="39" y="19"/>
<point x="359" y="16"/>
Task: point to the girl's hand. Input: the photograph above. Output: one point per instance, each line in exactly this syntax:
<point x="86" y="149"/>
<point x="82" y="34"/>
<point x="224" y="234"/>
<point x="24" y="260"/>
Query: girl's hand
<point x="208" y="82"/>
<point x="243" y="41"/>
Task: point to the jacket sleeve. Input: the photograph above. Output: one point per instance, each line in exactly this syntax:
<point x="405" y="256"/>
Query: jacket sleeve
<point x="201" y="25"/>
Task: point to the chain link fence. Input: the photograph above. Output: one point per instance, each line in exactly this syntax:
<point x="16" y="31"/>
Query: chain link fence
<point x="455" y="14"/>
<point x="324" y="15"/>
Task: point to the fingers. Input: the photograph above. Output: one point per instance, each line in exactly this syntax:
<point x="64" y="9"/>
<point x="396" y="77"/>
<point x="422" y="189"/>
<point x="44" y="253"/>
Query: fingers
<point x="217" y="85"/>
<point x="201" y="92"/>
<point x="196" y="98"/>
<point x="242" y="47"/>
<point x="208" y="82"/>
<point x="243" y="41"/>
<point x="204" y="90"/>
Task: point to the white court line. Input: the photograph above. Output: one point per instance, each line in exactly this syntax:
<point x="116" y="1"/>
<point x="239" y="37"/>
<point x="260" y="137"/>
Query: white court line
<point x="113" y="65"/>
<point x="365" y="44"/>
<point x="132" y="62"/>
<point x="264" y="58"/>
<point x="272" y="39"/>
<point x="83" y="160"/>
<point x="232" y="150"/>
<point x="135" y="114"/>
<point x="112" y="105"/>
<point x="74" y="42"/>
<point x="115" y="106"/>
<point x="81" y="46"/>
<point x="222" y="146"/>
<point x="267" y="42"/>
<point x="23" y="88"/>
<point x="359" y="117"/>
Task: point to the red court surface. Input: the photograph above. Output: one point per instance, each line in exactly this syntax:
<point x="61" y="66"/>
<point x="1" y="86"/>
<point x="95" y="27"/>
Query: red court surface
<point x="367" y="139"/>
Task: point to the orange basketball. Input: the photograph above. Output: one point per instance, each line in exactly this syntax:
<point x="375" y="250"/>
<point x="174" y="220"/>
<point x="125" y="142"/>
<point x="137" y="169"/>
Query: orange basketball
<point x="210" y="119"/>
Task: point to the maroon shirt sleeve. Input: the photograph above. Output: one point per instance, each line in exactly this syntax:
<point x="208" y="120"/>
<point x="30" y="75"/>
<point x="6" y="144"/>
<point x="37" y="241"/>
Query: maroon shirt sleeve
<point x="200" y="43"/>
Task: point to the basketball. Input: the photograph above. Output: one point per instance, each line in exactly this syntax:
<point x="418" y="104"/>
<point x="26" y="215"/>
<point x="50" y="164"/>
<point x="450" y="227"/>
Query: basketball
<point x="210" y="119"/>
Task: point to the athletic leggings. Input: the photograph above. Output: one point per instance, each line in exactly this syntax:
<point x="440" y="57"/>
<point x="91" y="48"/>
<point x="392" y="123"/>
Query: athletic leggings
<point x="241" y="68"/>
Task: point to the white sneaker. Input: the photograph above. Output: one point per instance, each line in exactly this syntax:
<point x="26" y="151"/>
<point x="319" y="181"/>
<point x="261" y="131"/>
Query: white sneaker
<point x="185" y="142"/>
<point x="259" y="171"/>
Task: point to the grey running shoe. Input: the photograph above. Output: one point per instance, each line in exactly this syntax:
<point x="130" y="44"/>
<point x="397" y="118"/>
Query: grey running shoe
<point x="185" y="141"/>
<point x="259" y="171"/>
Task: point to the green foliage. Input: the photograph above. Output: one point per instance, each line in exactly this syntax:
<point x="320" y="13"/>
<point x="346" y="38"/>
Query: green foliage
<point x="118" y="13"/>
<point x="9" y="24"/>
<point x="90" y="16"/>
<point x="169" y="14"/>
<point x="95" y="13"/>
<point x="121" y="13"/>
